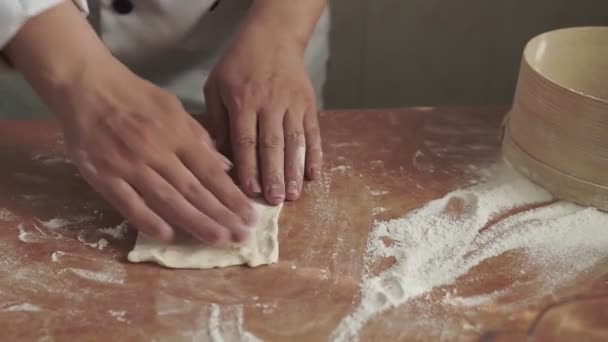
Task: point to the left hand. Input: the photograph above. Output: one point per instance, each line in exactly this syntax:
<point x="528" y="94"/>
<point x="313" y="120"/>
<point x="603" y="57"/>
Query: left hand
<point x="262" y="103"/>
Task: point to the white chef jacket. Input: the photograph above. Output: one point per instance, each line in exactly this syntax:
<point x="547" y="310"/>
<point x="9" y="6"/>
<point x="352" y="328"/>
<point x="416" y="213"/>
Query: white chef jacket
<point x="174" y="43"/>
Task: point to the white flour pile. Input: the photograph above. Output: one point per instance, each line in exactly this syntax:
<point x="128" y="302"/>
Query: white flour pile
<point x="440" y="242"/>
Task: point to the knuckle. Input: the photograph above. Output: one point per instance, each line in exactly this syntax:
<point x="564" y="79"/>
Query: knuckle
<point x="135" y="215"/>
<point x="313" y="136"/>
<point x="166" y="198"/>
<point x="171" y="103"/>
<point x="272" y="142"/>
<point x="206" y="232"/>
<point x="296" y="138"/>
<point x="193" y="189"/>
<point x="311" y="100"/>
<point x="105" y="162"/>
<point x="275" y="176"/>
<point x="246" y="172"/>
<point x="245" y="142"/>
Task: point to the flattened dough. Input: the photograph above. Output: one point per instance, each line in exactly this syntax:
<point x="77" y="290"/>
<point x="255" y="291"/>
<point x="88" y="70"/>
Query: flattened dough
<point x="261" y="248"/>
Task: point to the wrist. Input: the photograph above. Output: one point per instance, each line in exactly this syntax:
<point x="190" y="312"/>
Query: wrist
<point x="287" y="22"/>
<point x="264" y="36"/>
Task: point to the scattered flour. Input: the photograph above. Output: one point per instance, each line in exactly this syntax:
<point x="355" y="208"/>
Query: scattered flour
<point x="235" y="326"/>
<point x="346" y="144"/>
<point x="24" y="307"/>
<point x="102" y="243"/>
<point x="119" y="315"/>
<point x="56" y="256"/>
<point x="58" y="222"/>
<point x="214" y="323"/>
<point x="340" y="168"/>
<point x="267" y="308"/>
<point x="51" y="159"/>
<point x="117" y="232"/>
<point x="419" y="162"/>
<point x="442" y="241"/>
<point x="6" y="215"/>
<point x="55" y="223"/>
<point x="104" y="277"/>
<point x="378" y="210"/>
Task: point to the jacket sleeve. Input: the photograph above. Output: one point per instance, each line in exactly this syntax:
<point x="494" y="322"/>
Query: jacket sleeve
<point x="15" y="13"/>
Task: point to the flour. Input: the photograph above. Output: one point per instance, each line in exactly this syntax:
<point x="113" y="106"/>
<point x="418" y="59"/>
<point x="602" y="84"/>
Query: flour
<point x="118" y="232"/>
<point x="51" y="159"/>
<point x="340" y="168"/>
<point x="57" y="255"/>
<point x="55" y="223"/>
<point x="102" y="277"/>
<point x="442" y="241"/>
<point x="378" y="211"/>
<point x="422" y="165"/>
<point x="119" y="315"/>
<point x="214" y="323"/>
<point x="59" y="223"/>
<point x="25" y="236"/>
<point x="6" y="215"/>
<point x="231" y="326"/>
<point x="101" y="244"/>
<point x="24" y="307"/>
<point x="379" y="192"/>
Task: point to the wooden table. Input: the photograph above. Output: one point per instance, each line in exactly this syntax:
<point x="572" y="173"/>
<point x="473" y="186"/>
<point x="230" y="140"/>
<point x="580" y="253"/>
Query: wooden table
<point x="59" y="280"/>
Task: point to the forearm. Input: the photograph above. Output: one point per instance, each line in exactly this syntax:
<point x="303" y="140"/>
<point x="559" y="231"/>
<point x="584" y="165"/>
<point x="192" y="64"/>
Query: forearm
<point x="55" y="47"/>
<point x="294" y="18"/>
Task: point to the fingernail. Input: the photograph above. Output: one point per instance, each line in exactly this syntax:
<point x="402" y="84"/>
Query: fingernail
<point x="255" y="188"/>
<point x="225" y="160"/>
<point x="292" y="188"/>
<point x="276" y="192"/>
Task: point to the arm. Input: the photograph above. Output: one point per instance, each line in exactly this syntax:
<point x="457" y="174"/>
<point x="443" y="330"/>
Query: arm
<point x="262" y="102"/>
<point x="294" y="18"/>
<point x="15" y="13"/>
<point x="54" y="48"/>
<point x="132" y="141"/>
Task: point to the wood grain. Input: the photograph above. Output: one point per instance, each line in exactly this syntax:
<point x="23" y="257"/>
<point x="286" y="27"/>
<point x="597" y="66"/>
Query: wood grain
<point x="57" y="285"/>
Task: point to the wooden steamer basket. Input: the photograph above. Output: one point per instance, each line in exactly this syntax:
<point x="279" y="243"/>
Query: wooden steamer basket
<point x="557" y="130"/>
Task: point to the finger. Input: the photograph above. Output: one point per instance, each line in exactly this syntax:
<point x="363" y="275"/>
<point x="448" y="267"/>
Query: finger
<point x="272" y="155"/>
<point x="244" y="142"/>
<point x="295" y="153"/>
<point x="174" y="208"/>
<point x="218" y="117"/>
<point x="314" y="151"/>
<point x="205" y="138"/>
<point x="220" y="185"/>
<point x="182" y="179"/>
<point x="128" y="202"/>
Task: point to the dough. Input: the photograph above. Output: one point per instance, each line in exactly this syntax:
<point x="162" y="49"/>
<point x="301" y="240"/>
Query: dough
<point x="261" y="248"/>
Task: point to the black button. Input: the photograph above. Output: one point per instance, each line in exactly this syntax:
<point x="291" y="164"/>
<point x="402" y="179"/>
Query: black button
<point x="122" y="6"/>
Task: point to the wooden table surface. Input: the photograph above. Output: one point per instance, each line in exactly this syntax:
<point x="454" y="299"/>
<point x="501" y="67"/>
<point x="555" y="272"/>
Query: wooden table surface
<point x="59" y="280"/>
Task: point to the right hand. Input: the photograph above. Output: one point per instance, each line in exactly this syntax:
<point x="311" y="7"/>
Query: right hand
<point x="132" y="141"/>
<point x="137" y="146"/>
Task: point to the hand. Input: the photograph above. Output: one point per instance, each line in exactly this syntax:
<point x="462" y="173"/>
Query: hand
<point x="132" y="141"/>
<point x="135" y="144"/>
<point x="262" y="103"/>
